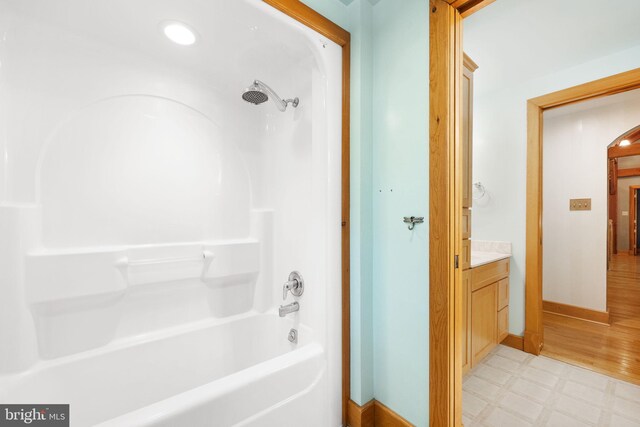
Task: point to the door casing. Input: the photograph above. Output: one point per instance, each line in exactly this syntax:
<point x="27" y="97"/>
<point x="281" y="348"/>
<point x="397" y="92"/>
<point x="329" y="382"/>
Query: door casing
<point x="445" y="208"/>
<point x="633" y="219"/>
<point x="534" y="330"/>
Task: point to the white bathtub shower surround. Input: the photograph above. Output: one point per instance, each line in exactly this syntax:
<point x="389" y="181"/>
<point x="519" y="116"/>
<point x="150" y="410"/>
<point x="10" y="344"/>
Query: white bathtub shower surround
<point x="149" y="216"/>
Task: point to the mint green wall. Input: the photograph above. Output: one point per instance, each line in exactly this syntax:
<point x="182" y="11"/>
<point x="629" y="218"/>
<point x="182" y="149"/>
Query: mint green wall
<point x="361" y="214"/>
<point x="389" y="180"/>
<point x="401" y="188"/>
<point x="334" y="10"/>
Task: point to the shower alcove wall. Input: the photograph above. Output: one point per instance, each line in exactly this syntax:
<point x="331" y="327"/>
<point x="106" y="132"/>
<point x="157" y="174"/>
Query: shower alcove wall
<point x="149" y="216"/>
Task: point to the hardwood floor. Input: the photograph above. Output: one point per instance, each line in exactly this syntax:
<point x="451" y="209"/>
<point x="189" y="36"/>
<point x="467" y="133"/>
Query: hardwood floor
<point x="613" y="350"/>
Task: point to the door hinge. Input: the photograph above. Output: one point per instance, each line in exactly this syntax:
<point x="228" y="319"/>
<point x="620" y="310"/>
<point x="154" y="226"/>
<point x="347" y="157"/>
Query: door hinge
<point x="455" y="261"/>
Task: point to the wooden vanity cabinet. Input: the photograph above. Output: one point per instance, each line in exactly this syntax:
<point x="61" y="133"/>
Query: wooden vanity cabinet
<point x="488" y="300"/>
<point x="466" y="158"/>
<point x="484" y="289"/>
<point x="466" y="136"/>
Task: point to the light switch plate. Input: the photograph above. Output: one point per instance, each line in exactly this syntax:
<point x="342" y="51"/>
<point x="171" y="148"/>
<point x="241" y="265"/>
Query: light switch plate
<point x="580" y="204"/>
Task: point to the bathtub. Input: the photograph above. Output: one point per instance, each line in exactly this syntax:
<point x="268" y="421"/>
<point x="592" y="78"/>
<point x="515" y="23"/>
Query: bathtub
<point x="150" y="216"/>
<point x="184" y="377"/>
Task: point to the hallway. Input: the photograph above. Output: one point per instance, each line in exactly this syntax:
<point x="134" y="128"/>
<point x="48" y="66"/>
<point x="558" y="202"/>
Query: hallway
<point x="613" y="350"/>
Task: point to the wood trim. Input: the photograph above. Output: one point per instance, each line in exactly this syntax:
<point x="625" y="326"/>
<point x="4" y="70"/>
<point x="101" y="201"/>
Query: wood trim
<point x="445" y="215"/>
<point x="468" y="7"/>
<point x="445" y="207"/>
<point x="469" y="63"/>
<point x="613" y="202"/>
<point x="514" y="341"/>
<point x="611" y="85"/>
<point x="533" y="335"/>
<point x="312" y="19"/>
<point x="632" y="135"/>
<point x="346" y="226"/>
<point x="582" y="313"/>
<point x="618" y="151"/>
<point x="360" y="416"/>
<point x="385" y="417"/>
<point x="624" y="173"/>
<point x="374" y="414"/>
<point x="613" y="176"/>
<point x="489" y="274"/>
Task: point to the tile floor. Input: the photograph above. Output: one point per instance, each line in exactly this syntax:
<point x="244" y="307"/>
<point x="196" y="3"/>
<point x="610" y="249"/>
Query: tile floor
<point x="511" y="388"/>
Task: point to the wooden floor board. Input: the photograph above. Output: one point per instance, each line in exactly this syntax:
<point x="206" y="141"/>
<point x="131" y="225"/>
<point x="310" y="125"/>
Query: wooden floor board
<point x="613" y="350"/>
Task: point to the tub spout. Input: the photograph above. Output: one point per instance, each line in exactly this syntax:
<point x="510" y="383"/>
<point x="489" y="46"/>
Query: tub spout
<point x="289" y="308"/>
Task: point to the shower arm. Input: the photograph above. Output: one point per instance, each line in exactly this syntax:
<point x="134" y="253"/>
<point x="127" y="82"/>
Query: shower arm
<point x="280" y="103"/>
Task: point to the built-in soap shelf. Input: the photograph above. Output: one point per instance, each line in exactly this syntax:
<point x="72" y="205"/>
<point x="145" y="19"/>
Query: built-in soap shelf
<point x="52" y="276"/>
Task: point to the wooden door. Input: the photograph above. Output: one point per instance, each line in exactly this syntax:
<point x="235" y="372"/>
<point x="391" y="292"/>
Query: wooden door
<point x="484" y="311"/>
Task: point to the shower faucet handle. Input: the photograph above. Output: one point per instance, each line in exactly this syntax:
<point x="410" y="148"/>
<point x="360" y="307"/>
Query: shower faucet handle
<point x="295" y="284"/>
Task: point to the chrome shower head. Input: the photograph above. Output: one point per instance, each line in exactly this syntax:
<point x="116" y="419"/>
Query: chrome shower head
<point x="255" y="95"/>
<point x="259" y="92"/>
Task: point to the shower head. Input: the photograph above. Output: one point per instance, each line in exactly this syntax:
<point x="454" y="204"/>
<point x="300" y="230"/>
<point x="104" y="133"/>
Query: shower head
<point x="255" y="95"/>
<point x="259" y="92"/>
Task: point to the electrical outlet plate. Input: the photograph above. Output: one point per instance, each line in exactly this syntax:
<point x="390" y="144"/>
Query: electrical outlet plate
<point x="580" y="204"/>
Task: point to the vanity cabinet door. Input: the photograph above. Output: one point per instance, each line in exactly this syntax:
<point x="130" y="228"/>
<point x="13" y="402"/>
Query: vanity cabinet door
<point x="503" y="293"/>
<point x="484" y="313"/>
<point x="503" y="324"/>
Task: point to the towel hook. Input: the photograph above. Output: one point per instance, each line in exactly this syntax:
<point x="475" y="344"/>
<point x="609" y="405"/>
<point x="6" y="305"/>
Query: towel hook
<point x="481" y="190"/>
<point x="413" y="220"/>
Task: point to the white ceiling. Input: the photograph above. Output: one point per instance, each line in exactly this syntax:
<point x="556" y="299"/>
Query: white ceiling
<point x="516" y="40"/>
<point x="238" y="42"/>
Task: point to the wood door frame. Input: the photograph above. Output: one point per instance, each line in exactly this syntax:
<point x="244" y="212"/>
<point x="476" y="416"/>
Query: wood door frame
<point x="534" y="331"/>
<point x="633" y="213"/>
<point x="445" y="208"/>
<point x="314" y="20"/>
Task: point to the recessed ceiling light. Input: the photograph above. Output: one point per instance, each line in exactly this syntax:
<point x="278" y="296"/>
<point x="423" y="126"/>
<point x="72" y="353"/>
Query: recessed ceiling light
<point x="179" y="33"/>
<point x="624" y="143"/>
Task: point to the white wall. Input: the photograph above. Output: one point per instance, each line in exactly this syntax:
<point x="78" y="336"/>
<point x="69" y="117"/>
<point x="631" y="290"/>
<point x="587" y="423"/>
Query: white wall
<point x="575" y="166"/>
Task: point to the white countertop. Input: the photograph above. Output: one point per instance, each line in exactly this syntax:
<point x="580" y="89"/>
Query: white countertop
<point x="488" y="251"/>
<point x="481" y="258"/>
